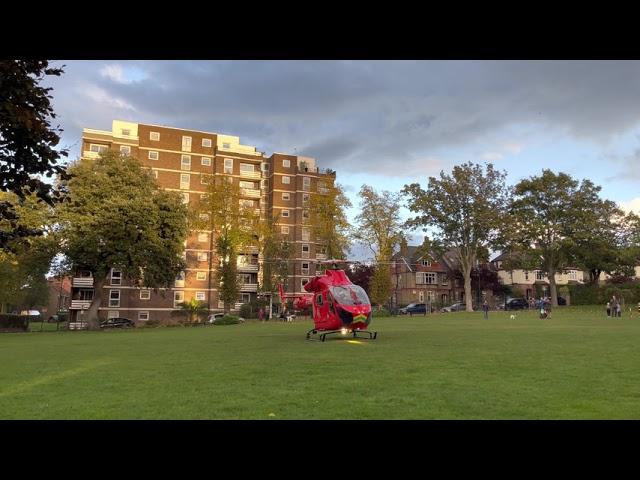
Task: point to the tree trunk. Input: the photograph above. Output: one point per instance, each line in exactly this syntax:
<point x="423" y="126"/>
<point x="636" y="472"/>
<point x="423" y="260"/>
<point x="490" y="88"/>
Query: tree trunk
<point x="552" y="288"/>
<point x="91" y="314"/>
<point x="595" y="276"/>
<point x="468" y="295"/>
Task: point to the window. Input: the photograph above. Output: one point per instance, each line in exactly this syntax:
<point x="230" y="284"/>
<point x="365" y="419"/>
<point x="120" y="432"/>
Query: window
<point x="203" y="256"/>
<point x="125" y="149"/>
<point x="284" y="229"/>
<point x="153" y="155"/>
<point x="114" y="298"/>
<point x="98" y="148"/>
<point x="421" y="296"/>
<point x="305" y="251"/>
<point x="305" y="199"/>
<point x="178" y="297"/>
<point x="526" y="275"/>
<point x="206" y="161"/>
<point x="264" y="184"/>
<point x="265" y="167"/>
<point x="305" y="268"/>
<point x="143" y="316"/>
<point x="201" y="275"/>
<point x="285" y="213"/>
<point x="226" y="145"/>
<point x="185" y="180"/>
<point x="305" y="214"/>
<point x="116" y="277"/>
<point x="204" y="179"/>
<point x="286" y="180"/>
<point x="145" y="294"/>
<point x="303" y="282"/>
<point x="305" y="234"/>
<point x="573" y="275"/>
<point x="426" y="263"/>
<point x="155" y="136"/>
<point x="322" y="188"/>
<point x="186" y="144"/>
<point x="203" y="237"/>
<point x="204" y="197"/>
<point x="306" y="183"/>
<point x="185" y="163"/>
<point x="246" y="167"/>
<point x="286" y="163"/>
<point x="185" y="197"/>
<point x="430" y="278"/>
<point x="206" y="142"/>
<point x="444" y="279"/>
<point x="228" y="165"/>
<point x="154" y="173"/>
<point x="200" y="296"/>
<point x="540" y="275"/>
<point x="286" y="196"/>
<point x="126" y="132"/>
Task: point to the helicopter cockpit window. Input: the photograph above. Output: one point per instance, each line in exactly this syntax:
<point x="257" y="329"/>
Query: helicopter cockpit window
<point x="349" y="295"/>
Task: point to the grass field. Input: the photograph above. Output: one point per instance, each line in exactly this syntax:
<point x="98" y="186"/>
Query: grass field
<point x="578" y="365"/>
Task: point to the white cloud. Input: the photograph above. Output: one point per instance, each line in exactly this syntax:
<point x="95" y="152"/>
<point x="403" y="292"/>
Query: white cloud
<point x="631" y="205"/>
<point x="492" y="156"/>
<point x="98" y="95"/>
<point x="114" y="72"/>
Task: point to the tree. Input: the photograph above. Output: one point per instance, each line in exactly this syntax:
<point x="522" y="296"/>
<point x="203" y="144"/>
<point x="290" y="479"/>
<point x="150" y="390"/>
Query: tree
<point x="328" y="221"/>
<point x="598" y="242"/>
<point x="235" y="225"/>
<point x="277" y="254"/>
<point x="549" y="213"/>
<point x="361" y="274"/>
<point x="25" y="262"/>
<point x="192" y="309"/>
<point x="117" y="216"/>
<point x="27" y="139"/>
<point x="466" y="208"/>
<point x="379" y="227"/>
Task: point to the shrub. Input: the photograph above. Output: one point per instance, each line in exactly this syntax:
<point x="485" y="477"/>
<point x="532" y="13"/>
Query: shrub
<point x="381" y="313"/>
<point x="227" y="320"/>
<point x="13" y="323"/>
<point x="246" y="311"/>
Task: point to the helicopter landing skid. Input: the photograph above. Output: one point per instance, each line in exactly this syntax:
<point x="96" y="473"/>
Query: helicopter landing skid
<point x="353" y="333"/>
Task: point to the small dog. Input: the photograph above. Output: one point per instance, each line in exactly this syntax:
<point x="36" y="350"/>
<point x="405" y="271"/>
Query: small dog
<point x="512" y="317"/>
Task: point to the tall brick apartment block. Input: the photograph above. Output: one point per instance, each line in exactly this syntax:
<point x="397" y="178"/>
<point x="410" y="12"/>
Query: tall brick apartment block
<point x="181" y="160"/>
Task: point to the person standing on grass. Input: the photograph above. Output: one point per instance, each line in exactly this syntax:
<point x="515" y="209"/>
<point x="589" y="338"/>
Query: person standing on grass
<point x="261" y="314"/>
<point x="485" y="309"/>
<point x="618" y="309"/>
<point x="608" y="309"/>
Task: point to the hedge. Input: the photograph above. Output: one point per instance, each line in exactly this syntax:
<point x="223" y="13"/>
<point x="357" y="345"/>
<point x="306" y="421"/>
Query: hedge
<point x="13" y="323"/>
<point x="629" y="293"/>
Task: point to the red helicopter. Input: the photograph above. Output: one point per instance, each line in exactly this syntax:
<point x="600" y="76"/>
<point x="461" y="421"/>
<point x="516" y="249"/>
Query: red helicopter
<point x="339" y="306"/>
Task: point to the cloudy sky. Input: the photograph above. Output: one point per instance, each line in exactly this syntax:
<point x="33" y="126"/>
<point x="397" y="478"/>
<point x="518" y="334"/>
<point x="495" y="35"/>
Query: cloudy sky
<point x="384" y="123"/>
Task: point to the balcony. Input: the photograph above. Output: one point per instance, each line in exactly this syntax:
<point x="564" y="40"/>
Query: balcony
<point x="90" y="154"/>
<point x="247" y="267"/>
<point x="248" y="287"/>
<point x="82" y="282"/>
<point x="248" y="192"/>
<point x="80" y="304"/>
<point x="254" y="174"/>
<point x="321" y="256"/>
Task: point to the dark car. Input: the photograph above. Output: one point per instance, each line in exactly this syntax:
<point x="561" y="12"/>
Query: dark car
<point x="117" y="323"/>
<point x="414" y="308"/>
<point x="517" y="304"/>
<point x="562" y="301"/>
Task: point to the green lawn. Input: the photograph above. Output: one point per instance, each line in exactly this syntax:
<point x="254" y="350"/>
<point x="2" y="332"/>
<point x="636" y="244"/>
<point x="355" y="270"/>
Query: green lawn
<point x="577" y="365"/>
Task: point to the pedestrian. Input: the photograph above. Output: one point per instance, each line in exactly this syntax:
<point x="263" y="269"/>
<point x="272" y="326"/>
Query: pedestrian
<point x="261" y="314"/>
<point x="618" y="309"/>
<point x="485" y="309"/>
<point x="608" y="309"/>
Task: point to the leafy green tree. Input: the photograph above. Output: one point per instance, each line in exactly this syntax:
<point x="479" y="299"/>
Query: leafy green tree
<point x="549" y="214"/>
<point x="328" y="220"/>
<point x="277" y="254"/>
<point x="27" y="140"/>
<point x="193" y="310"/>
<point x="117" y="216"/>
<point x="379" y="227"/>
<point x="466" y="209"/>
<point x="235" y="225"/>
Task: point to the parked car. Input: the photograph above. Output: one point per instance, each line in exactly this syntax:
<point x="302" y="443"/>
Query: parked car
<point x="517" y="304"/>
<point x="117" y="323"/>
<point x="212" y="318"/>
<point x="61" y="316"/>
<point x="456" y="307"/>
<point x="414" y="308"/>
<point x="562" y="301"/>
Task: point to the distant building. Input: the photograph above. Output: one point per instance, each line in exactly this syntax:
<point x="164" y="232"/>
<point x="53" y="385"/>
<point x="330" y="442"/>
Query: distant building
<point x="59" y="295"/>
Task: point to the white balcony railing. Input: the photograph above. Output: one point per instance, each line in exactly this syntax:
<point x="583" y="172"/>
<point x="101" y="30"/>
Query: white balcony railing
<point x="248" y="192"/>
<point x="253" y="174"/>
<point x="80" y="304"/>
<point x="248" y="287"/>
<point x="321" y="256"/>
<point x="247" y="267"/>
<point x="82" y="282"/>
<point x="90" y="154"/>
